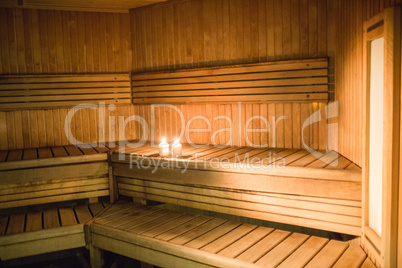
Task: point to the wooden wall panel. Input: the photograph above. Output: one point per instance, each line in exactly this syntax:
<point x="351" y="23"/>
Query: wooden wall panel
<point x="200" y="33"/>
<point x="349" y="18"/>
<point x="47" y="42"/>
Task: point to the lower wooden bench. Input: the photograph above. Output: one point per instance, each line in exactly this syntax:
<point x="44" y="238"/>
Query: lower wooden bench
<point x="44" y="231"/>
<point x="169" y="238"/>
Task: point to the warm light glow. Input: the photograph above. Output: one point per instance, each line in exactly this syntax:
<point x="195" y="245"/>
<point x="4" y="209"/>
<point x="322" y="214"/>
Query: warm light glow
<point x="376" y="134"/>
<point x="163" y="139"/>
<point x="176" y="141"/>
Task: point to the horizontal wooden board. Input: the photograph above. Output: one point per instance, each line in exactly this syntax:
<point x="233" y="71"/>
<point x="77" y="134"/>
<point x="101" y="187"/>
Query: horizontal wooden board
<point x="273" y="81"/>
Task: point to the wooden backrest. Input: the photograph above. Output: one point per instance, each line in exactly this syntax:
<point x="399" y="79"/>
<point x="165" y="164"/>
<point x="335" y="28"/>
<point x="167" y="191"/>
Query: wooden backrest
<point x="42" y="91"/>
<point x="296" y="80"/>
<point x="58" y="179"/>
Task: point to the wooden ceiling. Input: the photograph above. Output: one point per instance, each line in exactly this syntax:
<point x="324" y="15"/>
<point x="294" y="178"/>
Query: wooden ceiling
<point x="80" y="5"/>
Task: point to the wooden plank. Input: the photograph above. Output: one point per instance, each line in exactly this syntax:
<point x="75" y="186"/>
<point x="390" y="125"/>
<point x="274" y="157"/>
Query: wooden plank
<point x="14" y="155"/>
<point x="30" y="154"/>
<point x="168" y="226"/>
<point x="305" y="252"/>
<point x="244" y="243"/>
<point x="3" y="156"/>
<point x="3" y="225"/>
<point x="72" y="150"/>
<point x="95" y="208"/>
<point x="44" y="153"/>
<point x="328" y="255"/>
<point x="182" y="228"/>
<point x="229" y="238"/>
<point x="34" y="221"/>
<point x="282" y="251"/>
<point x="368" y="264"/>
<point x="354" y="256"/>
<point x="263" y="246"/>
<point x="170" y="216"/>
<point x="50" y="218"/>
<point x="59" y="151"/>
<point x="67" y="216"/>
<point x="16" y="224"/>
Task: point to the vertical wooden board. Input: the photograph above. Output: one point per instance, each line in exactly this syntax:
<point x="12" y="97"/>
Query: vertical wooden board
<point x="96" y="40"/>
<point x="3" y="131"/>
<point x="256" y="125"/>
<point x="26" y="132"/>
<point x="36" y="42"/>
<point x="110" y="56"/>
<point x="296" y="125"/>
<point x="83" y="214"/>
<point x="170" y="42"/>
<point x="248" y="113"/>
<point x="86" y="126"/>
<point x="19" y="27"/>
<point x="28" y="41"/>
<point x="304" y="132"/>
<point x="85" y="38"/>
<point x="322" y="28"/>
<point x="315" y="127"/>
<point x="206" y="7"/>
<point x="64" y="138"/>
<point x="50" y="129"/>
<point x="127" y="53"/>
<point x="246" y="31"/>
<point x="232" y="30"/>
<point x="219" y="46"/>
<point x="57" y="130"/>
<point x="18" y="125"/>
<point x="59" y="41"/>
<point x="262" y="30"/>
<point x="240" y="31"/>
<point x="295" y="28"/>
<point x="11" y="130"/>
<point x="42" y="128"/>
<point x="286" y="29"/>
<point x="117" y="46"/>
<point x="4" y="44"/>
<point x="270" y="22"/>
<point x="265" y="124"/>
<point x="278" y="29"/>
<point x="313" y="29"/>
<point x="226" y="30"/>
<point x="51" y="36"/>
<point x="101" y="21"/>
<point x="66" y="41"/>
<point x="82" y="46"/>
<point x="304" y="29"/>
<point x="288" y="128"/>
<point x="279" y="125"/>
<point x="43" y="37"/>
<point x="322" y="128"/>
<point x="34" y="128"/>
<point x="254" y="31"/>
<point x="12" y="41"/>
<point x="73" y="49"/>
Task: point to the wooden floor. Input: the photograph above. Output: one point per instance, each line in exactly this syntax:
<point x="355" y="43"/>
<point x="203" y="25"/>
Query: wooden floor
<point x="49" y="218"/>
<point x="262" y="246"/>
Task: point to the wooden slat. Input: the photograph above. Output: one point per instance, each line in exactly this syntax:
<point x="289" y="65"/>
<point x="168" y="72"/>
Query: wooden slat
<point x="244" y="243"/>
<point x="354" y="256"/>
<point x="282" y="251"/>
<point x="67" y="216"/>
<point x="59" y="151"/>
<point x="34" y="221"/>
<point x="83" y="214"/>
<point x="168" y="226"/>
<point x="14" y="155"/>
<point x="3" y="225"/>
<point x="305" y="252"/>
<point x="44" y="153"/>
<point x="16" y="224"/>
<point x="50" y="218"/>
<point x="328" y="255"/>
<point x="95" y="208"/>
<point x="30" y="154"/>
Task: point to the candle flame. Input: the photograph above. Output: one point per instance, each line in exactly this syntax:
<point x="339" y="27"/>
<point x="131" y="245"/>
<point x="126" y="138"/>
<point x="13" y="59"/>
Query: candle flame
<point x="163" y="139"/>
<point x="177" y="141"/>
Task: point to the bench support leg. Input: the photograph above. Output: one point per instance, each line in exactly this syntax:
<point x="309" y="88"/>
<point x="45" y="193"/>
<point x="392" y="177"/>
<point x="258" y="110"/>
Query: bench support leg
<point x="96" y="256"/>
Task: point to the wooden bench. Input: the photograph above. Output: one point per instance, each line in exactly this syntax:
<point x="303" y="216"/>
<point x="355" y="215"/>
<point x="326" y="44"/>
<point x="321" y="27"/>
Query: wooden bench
<point x="309" y="192"/>
<point x="298" y="80"/>
<point x="43" y="176"/>
<point x="43" y="91"/>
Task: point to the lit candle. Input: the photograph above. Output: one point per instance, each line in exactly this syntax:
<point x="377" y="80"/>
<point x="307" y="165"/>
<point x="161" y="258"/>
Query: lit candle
<point x="163" y="148"/>
<point x="176" y="148"/>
